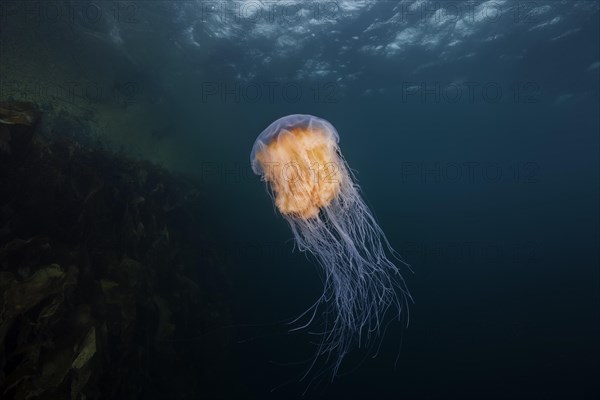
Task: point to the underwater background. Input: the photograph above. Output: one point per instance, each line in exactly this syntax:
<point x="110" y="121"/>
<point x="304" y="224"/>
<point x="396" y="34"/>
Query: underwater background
<point x="134" y="233"/>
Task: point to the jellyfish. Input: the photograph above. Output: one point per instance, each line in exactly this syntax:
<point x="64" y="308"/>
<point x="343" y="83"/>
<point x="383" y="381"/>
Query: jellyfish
<point x="315" y="190"/>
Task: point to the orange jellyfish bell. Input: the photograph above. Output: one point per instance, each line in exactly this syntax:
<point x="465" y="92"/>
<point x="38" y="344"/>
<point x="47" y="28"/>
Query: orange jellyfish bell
<point x="298" y="156"/>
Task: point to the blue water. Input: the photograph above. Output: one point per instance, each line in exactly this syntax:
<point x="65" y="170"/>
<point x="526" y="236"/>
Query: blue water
<point x="473" y="128"/>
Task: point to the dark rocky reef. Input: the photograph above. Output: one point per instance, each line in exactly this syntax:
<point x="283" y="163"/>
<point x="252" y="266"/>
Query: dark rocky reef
<point x="105" y="291"/>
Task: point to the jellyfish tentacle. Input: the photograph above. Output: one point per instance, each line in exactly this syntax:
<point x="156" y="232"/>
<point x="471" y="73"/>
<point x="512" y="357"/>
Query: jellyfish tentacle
<point x="330" y="220"/>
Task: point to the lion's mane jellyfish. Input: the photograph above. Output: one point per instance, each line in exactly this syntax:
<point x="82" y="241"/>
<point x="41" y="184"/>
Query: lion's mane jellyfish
<point x="315" y="191"/>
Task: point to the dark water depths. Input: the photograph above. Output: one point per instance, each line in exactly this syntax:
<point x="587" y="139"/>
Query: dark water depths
<point x="475" y="141"/>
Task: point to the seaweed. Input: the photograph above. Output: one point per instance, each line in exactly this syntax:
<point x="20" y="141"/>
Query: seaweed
<point x="100" y="291"/>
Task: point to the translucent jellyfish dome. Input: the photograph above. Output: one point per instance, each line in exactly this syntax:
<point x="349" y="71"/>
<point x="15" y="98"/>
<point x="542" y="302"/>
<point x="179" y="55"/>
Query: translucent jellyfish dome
<point x="288" y="124"/>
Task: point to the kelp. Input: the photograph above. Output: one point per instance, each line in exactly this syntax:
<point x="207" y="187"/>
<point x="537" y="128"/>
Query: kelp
<point x="100" y="294"/>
